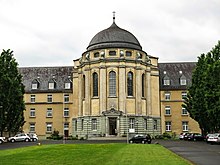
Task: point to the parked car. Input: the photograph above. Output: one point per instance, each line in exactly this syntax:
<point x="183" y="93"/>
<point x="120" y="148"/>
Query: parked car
<point x="19" y="137"/>
<point x="215" y="138"/>
<point x="2" y="140"/>
<point x="207" y="136"/>
<point x="141" y="139"/>
<point x="181" y="136"/>
<point x="33" y="137"/>
<point x="185" y="137"/>
<point x="195" y="137"/>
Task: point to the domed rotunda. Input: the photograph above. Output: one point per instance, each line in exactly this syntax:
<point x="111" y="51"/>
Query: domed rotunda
<point x="115" y="87"/>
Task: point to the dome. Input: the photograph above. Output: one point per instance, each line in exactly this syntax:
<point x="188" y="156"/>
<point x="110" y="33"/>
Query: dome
<point x="114" y="37"/>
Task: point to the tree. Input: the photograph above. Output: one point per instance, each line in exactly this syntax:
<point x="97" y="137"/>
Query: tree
<point x="11" y="94"/>
<point x="203" y="99"/>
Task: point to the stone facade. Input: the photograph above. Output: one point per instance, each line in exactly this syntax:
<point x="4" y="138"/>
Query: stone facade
<point x="115" y="88"/>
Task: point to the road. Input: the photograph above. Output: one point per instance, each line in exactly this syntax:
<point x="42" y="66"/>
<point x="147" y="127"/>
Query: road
<point x="199" y="153"/>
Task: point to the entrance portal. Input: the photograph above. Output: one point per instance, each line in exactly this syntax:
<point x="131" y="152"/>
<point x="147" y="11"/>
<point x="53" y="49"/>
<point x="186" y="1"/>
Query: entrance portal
<point x="112" y="126"/>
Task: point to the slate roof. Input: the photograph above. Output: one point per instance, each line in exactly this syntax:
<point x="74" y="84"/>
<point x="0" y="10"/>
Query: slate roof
<point x="44" y="75"/>
<point x="114" y="37"/>
<point x="174" y="71"/>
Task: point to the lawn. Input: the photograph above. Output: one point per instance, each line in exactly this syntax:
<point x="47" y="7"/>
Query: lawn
<point x="91" y="154"/>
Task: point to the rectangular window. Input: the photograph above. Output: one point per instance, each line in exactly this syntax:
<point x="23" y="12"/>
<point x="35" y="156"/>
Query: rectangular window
<point x="66" y="112"/>
<point x="76" y="125"/>
<point x="32" y="127"/>
<point x="128" y="53"/>
<point x="32" y="98"/>
<point x="66" y="98"/>
<point x="34" y="86"/>
<point x="49" y="112"/>
<point x="112" y="53"/>
<point x="67" y="85"/>
<point x="49" y="127"/>
<point x="32" y="112"/>
<point x="145" y="124"/>
<point x="51" y="85"/>
<point x="182" y="81"/>
<point x="66" y="126"/>
<point x="167" y="110"/>
<point x="185" y="125"/>
<point x="94" y="124"/>
<point x="131" y="123"/>
<point x="49" y="99"/>
<point x="184" y="95"/>
<point x="167" y="96"/>
<point x="82" y="124"/>
<point x="168" y="125"/>
<point x="155" y="124"/>
<point x="184" y="111"/>
<point x="166" y="82"/>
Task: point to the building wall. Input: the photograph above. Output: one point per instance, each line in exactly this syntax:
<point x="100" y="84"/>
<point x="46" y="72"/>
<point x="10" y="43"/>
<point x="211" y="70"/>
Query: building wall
<point x="176" y="117"/>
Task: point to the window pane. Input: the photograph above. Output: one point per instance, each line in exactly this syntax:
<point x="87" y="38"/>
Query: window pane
<point x="95" y="84"/>
<point x="32" y="127"/>
<point x="66" y="98"/>
<point x="32" y="112"/>
<point x="66" y="112"/>
<point x="94" y="124"/>
<point x="112" y="53"/>
<point x="143" y="84"/>
<point x="168" y="125"/>
<point x="112" y="83"/>
<point x="49" y="98"/>
<point x="33" y="98"/>
<point x="167" y="96"/>
<point x="130" y="84"/>
<point x="167" y="110"/>
<point x="49" y="112"/>
<point x="51" y="85"/>
<point x="67" y="85"/>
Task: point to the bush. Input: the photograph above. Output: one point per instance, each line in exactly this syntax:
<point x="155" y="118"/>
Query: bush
<point x="166" y="135"/>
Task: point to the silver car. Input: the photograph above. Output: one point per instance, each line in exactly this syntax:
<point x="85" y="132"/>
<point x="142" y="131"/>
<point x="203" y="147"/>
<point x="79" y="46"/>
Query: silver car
<point x="19" y="137"/>
<point x="214" y="138"/>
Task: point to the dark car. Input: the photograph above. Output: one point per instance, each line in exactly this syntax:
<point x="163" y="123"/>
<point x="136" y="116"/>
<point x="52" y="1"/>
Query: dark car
<point x="196" y="137"/>
<point x="140" y="139"/>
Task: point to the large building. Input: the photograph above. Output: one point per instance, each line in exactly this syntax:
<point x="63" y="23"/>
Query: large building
<point x="115" y="88"/>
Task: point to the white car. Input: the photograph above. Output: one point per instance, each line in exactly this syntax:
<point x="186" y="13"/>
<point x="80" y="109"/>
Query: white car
<point x="214" y="138"/>
<point x="2" y="140"/>
<point x="20" y="137"/>
<point x="33" y="137"/>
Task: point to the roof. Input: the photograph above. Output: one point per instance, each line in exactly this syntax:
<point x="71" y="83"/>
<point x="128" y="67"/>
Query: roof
<point x="173" y="72"/>
<point x="44" y="75"/>
<point x="114" y="37"/>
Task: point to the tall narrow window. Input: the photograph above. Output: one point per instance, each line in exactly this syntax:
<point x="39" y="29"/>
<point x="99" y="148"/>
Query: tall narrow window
<point x="112" y="83"/>
<point x="66" y="98"/>
<point x="49" y="98"/>
<point x="168" y="125"/>
<point x="32" y="112"/>
<point x="48" y="127"/>
<point x="84" y="87"/>
<point x="143" y="84"/>
<point x="155" y="124"/>
<point x="49" y="112"/>
<point x="131" y="123"/>
<point x="66" y="112"/>
<point x="32" y="127"/>
<point x="130" y="83"/>
<point x="95" y="84"/>
<point x="94" y="124"/>
<point x="185" y="125"/>
<point x="32" y="98"/>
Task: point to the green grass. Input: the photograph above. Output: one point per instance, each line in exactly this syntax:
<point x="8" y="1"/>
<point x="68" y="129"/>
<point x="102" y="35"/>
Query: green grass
<point x="91" y="154"/>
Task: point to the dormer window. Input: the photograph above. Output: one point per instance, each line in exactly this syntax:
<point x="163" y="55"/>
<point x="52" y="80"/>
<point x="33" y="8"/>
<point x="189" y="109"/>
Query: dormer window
<point x="35" y="84"/>
<point x="182" y="80"/>
<point x="166" y="80"/>
<point x="68" y="83"/>
<point x="52" y="84"/>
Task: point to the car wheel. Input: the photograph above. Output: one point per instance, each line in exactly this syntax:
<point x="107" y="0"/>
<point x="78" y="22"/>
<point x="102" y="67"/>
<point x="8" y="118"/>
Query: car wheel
<point x="26" y="140"/>
<point x="34" y="140"/>
<point x="149" y="142"/>
<point x="1" y="142"/>
<point x="143" y="142"/>
<point x="131" y="141"/>
<point x="12" y="140"/>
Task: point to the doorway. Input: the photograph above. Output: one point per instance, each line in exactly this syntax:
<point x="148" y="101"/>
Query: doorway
<point x="113" y="126"/>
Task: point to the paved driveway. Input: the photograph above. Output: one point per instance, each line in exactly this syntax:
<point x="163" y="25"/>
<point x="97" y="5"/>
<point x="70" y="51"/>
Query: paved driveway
<point x="199" y="153"/>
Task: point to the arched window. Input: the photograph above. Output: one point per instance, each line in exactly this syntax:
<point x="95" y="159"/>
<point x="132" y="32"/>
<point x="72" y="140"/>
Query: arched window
<point x="95" y="84"/>
<point x="130" y="83"/>
<point x="112" y="83"/>
<point x="84" y="87"/>
<point x="143" y="84"/>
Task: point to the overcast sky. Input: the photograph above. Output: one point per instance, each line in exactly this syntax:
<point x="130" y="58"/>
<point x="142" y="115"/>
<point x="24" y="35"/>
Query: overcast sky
<point x="55" y="32"/>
